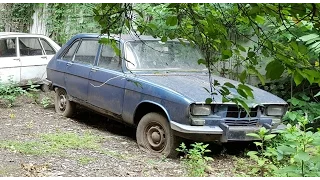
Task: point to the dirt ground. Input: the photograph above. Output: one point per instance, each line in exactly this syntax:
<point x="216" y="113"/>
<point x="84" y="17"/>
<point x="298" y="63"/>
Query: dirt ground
<point x="31" y="138"/>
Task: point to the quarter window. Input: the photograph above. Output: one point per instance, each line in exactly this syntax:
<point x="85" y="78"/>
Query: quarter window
<point x="8" y="47"/>
<point x="48" y="49"/>
<point x="108" y="58"/>
<point x="69" y="54"/>
<point x="30" y="46"/>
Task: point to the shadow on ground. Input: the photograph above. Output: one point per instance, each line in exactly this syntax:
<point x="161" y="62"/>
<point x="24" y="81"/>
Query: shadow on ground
<point x="102" y="123"/>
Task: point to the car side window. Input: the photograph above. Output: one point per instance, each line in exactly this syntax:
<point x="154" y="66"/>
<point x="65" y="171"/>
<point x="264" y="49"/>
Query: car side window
<point x="8" y="47"/>
<point x="47" y="48"/>
<point x="87" y="51"/>
<point x="30" y="46"/>
<point x="69" y="54"/>
<point x="108" y="58"/>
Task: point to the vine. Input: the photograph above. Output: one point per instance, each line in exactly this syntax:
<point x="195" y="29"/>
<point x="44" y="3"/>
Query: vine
<point x="64" y="20"/>
<point x="18" y="16"/>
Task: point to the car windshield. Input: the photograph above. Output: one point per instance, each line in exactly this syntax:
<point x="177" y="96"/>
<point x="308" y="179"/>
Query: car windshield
<point x="156" y="55"/>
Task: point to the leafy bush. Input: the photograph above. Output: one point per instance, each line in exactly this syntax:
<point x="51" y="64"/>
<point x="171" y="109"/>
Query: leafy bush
<point x="300" y="105"/>
<point x="295" y="153"/>
<point x="194" y="159"/>
<point x="9" y="92"/>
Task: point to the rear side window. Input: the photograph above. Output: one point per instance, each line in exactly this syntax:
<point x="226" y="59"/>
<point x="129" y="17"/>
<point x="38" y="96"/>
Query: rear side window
<point x="47" y="48"/>
<point x="87" y="51"/>
<point x="69" y="54"/>
<point x="30" y="46"/>
<point x="8" y="47"/>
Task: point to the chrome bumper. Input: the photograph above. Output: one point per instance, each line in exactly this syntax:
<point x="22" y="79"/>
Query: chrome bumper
<point x="226" y="133"/>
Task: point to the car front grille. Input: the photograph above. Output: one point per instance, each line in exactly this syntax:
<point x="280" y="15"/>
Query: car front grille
<point x="239" y="117"/>
<point x="235" y="112"/>
<point x="241" y="122"/>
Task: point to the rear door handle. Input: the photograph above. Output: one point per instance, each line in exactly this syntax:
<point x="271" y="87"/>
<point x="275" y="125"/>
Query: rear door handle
<point x="16" y="59"/>
<point x="44" y="57"/>
<point x="69" y="64"/>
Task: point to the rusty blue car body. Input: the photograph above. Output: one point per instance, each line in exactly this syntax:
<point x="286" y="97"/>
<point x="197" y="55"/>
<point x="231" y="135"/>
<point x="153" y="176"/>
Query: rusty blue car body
<point x="130" y="89"/>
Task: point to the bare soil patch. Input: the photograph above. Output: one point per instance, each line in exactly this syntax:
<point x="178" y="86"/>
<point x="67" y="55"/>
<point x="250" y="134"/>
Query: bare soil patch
<point x="30" y="135"/>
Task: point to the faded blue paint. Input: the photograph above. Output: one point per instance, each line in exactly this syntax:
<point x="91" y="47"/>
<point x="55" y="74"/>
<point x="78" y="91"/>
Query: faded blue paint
<point x="121" y="92"/>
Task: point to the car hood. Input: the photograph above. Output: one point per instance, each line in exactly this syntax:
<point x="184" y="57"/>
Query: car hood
<point x="193" y="87"/>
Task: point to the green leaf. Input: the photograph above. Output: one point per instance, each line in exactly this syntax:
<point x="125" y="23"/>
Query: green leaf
<point x="318" y="94"/>
<point x="164" y="39"/>
<point x="292" y="116"/>
<point x="302" y="156"/>
<point x="241" y="48"/>
<point x="258" y="144"/>
<point x="152" y="26"/>
<point x="242" y="93"/>
<point x="243" y="76"/>
<point x="202" y="61"/>
<point x="208" y="101"/>
<point x="286" y="149"/>
<point x="247" y="90"/>
<point x="269" y="136"/>
<point x="227" y="53"/>
<point x="259" y="19"/>
<point x="229" y="85"/>
<point x="297" y="77"/>
<point x="172" y="21"/>
<point x="253" y="135"/>
<point x="274" y="70"/>
<point x="308" y="37"/>
<point x="251" y="54"/>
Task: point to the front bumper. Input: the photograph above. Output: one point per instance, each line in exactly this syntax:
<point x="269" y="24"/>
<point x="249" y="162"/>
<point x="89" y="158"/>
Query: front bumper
<point x="222" y="133"/>
<point x="49" y="83"/>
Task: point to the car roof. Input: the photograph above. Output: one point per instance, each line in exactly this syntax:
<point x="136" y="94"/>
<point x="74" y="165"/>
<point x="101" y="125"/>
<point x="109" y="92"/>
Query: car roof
<point x="124" y="37"/>
<point x="18" y="33"/>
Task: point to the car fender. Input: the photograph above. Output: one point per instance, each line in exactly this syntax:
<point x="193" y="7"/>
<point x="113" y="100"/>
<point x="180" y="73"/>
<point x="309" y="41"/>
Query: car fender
<point x="154" y="103"/>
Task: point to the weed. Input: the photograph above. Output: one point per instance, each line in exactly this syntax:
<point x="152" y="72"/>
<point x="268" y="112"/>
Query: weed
<point x="84" y="160"/>
<point x="194" y="160"/>
<point x="10" y="91"/>
<point x="46" y="101"/>
<point x="53" y="143"/>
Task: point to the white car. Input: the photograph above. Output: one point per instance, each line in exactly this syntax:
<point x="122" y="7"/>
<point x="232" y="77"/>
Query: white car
<point x="24" y="57"/>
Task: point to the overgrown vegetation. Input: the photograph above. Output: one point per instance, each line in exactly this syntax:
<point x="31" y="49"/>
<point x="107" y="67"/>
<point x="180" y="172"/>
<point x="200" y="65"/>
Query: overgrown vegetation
<point x="9" y="92"/>
<point x="53" y="143"/>
<point x="194" y="159"/>
<point x="295" y="152"/>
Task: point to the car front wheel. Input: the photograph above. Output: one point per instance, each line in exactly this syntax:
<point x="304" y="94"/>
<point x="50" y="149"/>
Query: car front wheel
<point x="62" y="104"/>
<point x="155" y="135"/>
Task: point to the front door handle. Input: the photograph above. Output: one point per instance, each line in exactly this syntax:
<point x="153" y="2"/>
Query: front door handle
<point x="94" y="69"/>
<point x="69" y="64"/>
<point x="44" y="57"/>
<point x="16" y="59"/>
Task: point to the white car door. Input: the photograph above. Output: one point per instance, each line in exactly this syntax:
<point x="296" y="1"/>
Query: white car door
<point x="9" y="60"/>
<point x="33" y="60"/>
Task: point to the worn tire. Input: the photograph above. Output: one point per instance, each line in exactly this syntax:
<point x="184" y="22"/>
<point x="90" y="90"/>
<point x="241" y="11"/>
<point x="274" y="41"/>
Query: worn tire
<point x="45" y="88"/>
<point x="62" y="104"/>
<point x="155" y="135"/>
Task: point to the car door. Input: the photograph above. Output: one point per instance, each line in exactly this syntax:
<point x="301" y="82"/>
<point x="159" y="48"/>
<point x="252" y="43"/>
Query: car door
<point x="77" y="71"/>
<point x="33" y="60"/>
<point x="107" y="82"/>
<point x="9" y="61"/>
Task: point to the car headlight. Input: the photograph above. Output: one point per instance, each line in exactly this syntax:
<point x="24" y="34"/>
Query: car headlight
<point x="275" y="110"/>
<point x="200" y="110"/>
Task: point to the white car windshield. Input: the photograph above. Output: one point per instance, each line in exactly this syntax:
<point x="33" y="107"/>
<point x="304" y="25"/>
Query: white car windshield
<point x="156" y="55"/>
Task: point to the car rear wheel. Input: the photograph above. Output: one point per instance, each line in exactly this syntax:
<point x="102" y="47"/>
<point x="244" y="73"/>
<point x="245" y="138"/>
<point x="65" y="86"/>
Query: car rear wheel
<point x="155" y="135"/>
<point x="62" y="104"/>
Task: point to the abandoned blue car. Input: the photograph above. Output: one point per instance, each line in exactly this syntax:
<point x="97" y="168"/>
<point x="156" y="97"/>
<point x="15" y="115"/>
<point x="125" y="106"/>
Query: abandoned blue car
<point x="157" y="87"/>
